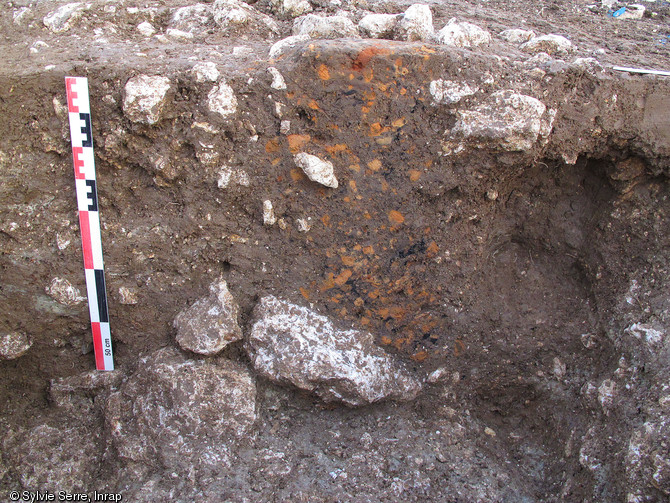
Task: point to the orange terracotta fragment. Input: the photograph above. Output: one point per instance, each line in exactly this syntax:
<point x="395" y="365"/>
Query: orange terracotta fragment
<point x="297" y="141"/>
<point x="420" y="356"/>
<point x="414" y="175"/>
<point x="375" y="165"/>
<point x="335" y="149"/>
<point x="272" y="146"/>
<point x="375" y="129"/>
<point x="343" y="277"/>
<point x="323" y="72"/>
<point x="396" y="312"/>
<point x="396" y="217"/>
<point x="329" y="282"/>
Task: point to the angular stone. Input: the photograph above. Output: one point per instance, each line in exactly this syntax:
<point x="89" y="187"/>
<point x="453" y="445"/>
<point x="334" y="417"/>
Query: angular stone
<point x="647" y="462"/>
<point x="46" y="457"/>
<point x="146" y="29"/>
<point x="145" y="98"/>
<point x="416" y="23"/>
<point x="278" y="48"/>
<point x="205" y="72"/>
<point x="228" y="175"/>
<point x="507" y="120"/>
<point x="290" y="8"/>
<point x="179" y="34"/>
<point x="211" y="323"/>
<point x="222" y="100"/>
<point x="192" y="18"/>
<point x="516" y="36"/>
<point x="64" y="292"/>
<point x="278" y="81"/>
<point x="462" y="34"/>
<point x="182" y="415"/>
<point x="316" y="169"/>
<point x="446" y="92"/>
<point x="62" y="19"/>
<point x="127" y="295"/>
<point x="555" y="45"/>
<point x="293" y="345"/>
<point x="235" y="17"/>
<point x="325" y="27"/>
<point x="77" y="393"/>
<point x="378" y="25"/>
<point x="269" y="217"/>
<point x="651" y="334"/>
<point x="13" y="345"/>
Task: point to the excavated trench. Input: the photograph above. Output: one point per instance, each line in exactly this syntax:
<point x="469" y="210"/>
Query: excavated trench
<point x="512" y="257"/>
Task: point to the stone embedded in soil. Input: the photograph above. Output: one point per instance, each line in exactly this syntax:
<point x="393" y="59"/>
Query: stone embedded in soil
<point x="284" y="44"/>
<point x="446" y="92"/>
<point x="205" y="72"/>
<point x="64" y="292"/>
<point x="416" y="24"/>
<point x="269" y="217"/>
<point x="316" y="169"/>
<point x="211" y="323"/>
<point x="76" y="393"/>
<point x="13" y="345"/>
<point x="278" y="81"/>
<point x="303" y="224"/>
<point x="228" y="175"/>
<point x="19" y="15"/>
<point x="378" y="25"/>
<point x="127" y="295"/>
<point x="192" y="18"/>
<point x="647" y="460"/>
<point x="285" y="127"/>
<point x="325" y="27"/>
<point x="146" y="29"/>
<point x="182" y="415"/>
<point x="591" y="65"/>
<point x="293" y="344"/>
<point x="290" y="8"/>
<point x="653" y="336"/>
<point x="145" y="98"/>
<point x="47" y="457"/>
<point x="62" y="19"/>
<point x="222" y="100"/>
<point x="237" y="17"/>
<point x="554" y="45"/>
<point x="606" y="394"/>
<point x="507" y="120"/>
<point x="516" y="36"/>
<point x="462" y="34"/>
<point x="179" y="34"/>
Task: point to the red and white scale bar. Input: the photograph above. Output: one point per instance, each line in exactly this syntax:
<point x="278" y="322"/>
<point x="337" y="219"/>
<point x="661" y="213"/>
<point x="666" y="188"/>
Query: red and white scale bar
<point x="89" y="217"/>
